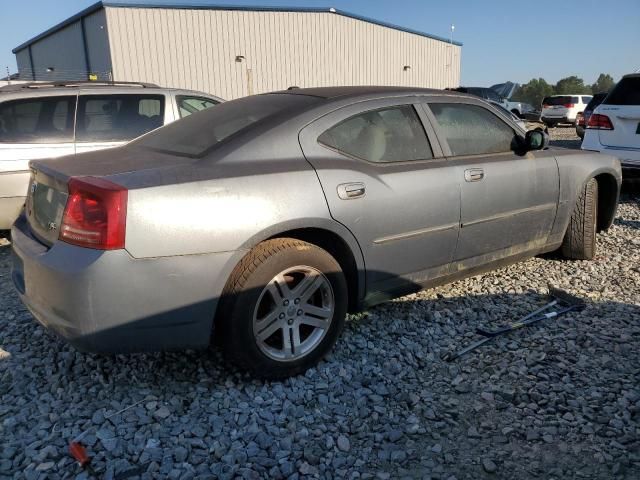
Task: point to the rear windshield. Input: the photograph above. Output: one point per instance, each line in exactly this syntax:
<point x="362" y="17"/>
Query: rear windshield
<point x="196" y="134"/>
<point x="626" y="92"/>
<point x="559" y="100"/>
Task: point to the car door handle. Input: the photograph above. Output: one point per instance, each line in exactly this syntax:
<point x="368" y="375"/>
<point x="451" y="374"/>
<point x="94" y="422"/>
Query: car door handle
<point x="348" y="191"/>
<point x="473" y="175"/>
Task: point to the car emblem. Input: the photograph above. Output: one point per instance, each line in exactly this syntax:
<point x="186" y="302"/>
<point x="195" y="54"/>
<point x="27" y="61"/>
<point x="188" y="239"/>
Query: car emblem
<point x="52" y="226"/>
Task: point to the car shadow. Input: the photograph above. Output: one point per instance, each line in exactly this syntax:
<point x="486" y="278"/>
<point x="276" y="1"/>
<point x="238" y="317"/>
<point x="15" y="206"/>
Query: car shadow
<point x="451" y="321"/>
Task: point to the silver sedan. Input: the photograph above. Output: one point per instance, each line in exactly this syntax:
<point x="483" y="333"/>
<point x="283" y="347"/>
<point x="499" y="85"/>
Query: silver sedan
<point x="260" y="223"/>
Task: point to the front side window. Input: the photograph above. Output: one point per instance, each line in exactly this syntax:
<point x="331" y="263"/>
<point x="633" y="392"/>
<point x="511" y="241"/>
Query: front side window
<point x="189" y="105"/>
<point x="392" y="134"/>
<point x="473" y="130"/>
<point x="115" y="118"/>
<point x="37" y="120"/>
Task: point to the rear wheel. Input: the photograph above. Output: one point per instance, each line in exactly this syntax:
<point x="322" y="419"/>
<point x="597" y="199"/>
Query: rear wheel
<point x="283" y="308"/>
<point x="579" y="241"/>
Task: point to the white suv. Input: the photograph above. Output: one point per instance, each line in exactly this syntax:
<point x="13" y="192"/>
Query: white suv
<point x="46" y="120"/>
<point x="563" y="108"/>
<point x="614" y="126"/>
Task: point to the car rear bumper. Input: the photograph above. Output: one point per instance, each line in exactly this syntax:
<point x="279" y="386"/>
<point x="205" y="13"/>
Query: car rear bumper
<point x="110" y="302"/>
<point x="558" y="119"/>
<point x="629" y="157"/>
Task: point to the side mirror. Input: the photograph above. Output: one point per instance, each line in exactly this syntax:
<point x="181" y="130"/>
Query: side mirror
<point x="536" y="139"/>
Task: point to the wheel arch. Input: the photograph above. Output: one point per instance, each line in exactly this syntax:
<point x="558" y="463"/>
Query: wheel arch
<point x="331" y="236"/>
<point x="338" y="249"/>
<point x="608" y="192"/>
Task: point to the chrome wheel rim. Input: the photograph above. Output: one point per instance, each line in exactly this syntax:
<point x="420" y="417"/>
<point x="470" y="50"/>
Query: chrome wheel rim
<point x="293" y="313"/>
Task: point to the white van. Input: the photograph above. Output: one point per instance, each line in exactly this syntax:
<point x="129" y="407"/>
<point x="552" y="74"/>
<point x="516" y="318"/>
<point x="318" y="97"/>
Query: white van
<point x="46" y="120"/>
<point x="563" y="108"/>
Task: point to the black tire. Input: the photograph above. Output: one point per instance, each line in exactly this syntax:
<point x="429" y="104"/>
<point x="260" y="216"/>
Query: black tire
<point x="234" y="322"/>
<point x="579" y="241"/>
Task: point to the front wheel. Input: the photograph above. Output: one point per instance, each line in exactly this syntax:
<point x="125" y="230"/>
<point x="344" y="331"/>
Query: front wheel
<point x="579" y="241"/>
<point x="283" y="308"/>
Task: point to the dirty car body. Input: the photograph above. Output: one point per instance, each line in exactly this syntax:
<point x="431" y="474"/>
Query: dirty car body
<point x="203" y="193"/>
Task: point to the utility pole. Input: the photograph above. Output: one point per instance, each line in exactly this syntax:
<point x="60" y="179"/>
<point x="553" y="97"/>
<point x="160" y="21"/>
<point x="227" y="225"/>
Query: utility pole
<point x="8" y="76"/>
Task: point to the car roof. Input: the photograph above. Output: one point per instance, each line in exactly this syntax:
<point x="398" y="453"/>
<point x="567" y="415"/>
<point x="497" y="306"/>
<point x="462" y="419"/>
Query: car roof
<point x="39" y="89"/>
<point x="363" y="91"/>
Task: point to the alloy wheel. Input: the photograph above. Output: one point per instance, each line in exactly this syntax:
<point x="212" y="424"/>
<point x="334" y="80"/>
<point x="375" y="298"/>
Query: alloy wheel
<point x="293" y="313"/>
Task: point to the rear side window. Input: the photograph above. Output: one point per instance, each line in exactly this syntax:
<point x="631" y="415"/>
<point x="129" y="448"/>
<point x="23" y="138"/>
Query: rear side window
<point x="37" y="120"/>
<point x="188" y="105"/>
<point x="586" y="99"/>
<point x="386" y="135"/>
<point x="118" y="117"/>
<point x="575" y="99"/>
<point x="626" y="92"/>
<point x="473" y="130"/>
<point x="196" y="134"/>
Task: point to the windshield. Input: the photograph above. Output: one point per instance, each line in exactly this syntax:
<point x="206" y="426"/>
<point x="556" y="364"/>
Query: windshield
<point x="196" y="134"/>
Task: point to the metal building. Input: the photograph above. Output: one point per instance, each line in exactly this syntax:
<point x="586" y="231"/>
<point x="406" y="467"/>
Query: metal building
<point x="236" y="51"/>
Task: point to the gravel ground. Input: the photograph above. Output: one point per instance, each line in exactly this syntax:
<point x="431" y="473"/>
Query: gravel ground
<point x="558" y="400"/>
<point x="564" y="136"/>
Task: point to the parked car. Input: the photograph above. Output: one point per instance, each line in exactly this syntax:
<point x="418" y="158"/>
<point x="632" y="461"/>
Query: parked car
<point x="563" y="108"/>
<point x="583" y="118"/>
<point x="262" y="221"/>
<point x="45" y="120"/>
<point x="614" y="125"/>
<point x="491" y="95"/>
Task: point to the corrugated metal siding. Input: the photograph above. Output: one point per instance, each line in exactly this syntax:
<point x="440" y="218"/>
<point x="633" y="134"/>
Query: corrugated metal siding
<point x="197" y="49"/>
<point x="62" y="50"/>
<point x="24" y="64"/>
<point x="96" y="34"/>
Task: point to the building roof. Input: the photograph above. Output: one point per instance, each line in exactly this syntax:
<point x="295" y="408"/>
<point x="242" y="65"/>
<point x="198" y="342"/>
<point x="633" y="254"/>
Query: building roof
<point x="199" y="5"/>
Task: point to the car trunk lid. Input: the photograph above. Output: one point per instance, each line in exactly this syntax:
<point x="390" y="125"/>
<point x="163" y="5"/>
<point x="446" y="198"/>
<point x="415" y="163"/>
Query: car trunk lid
<point x="626" y="126"/>
<point x="48" y="186"/>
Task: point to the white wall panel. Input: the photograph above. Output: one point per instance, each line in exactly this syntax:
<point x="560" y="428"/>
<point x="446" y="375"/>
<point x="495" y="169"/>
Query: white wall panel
<point x="191" y="48"/>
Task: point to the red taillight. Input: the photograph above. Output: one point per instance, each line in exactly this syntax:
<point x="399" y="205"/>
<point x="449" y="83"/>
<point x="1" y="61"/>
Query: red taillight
<point x="95" y="215"/>
<point x="568" y="105"/>
<point x="580" y="119"/>
<point x="599" y="122"/>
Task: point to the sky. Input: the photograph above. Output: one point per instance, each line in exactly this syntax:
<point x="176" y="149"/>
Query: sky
<point x="503" y="39"/>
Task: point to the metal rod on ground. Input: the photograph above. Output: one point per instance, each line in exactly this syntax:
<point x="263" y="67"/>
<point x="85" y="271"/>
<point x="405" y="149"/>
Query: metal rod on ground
<point x="557" y="297"/>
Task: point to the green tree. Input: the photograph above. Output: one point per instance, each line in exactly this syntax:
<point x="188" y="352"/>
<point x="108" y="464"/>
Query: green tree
<point x="571" y="85"/>
<point x="533" y="92"/>
<point x="604" y="83"/>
